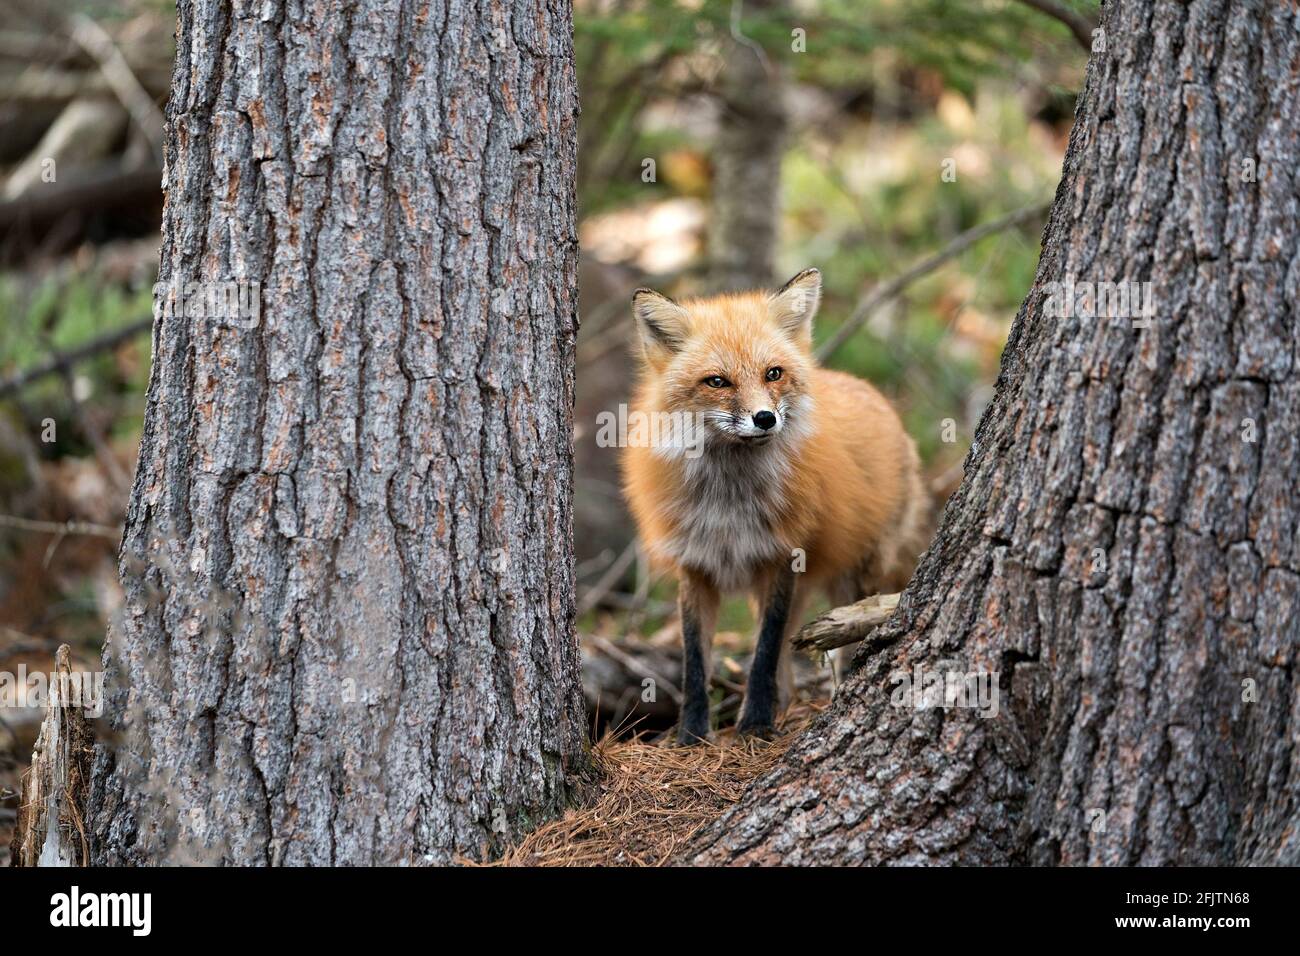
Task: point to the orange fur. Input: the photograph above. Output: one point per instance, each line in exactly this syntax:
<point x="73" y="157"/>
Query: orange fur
<point x="802" y="478"/>
<point x="853" y="497"/>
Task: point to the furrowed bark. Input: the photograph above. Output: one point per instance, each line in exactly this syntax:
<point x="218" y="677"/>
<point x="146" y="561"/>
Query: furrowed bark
<point x="348" y="632"/>
<point x="1123" y="556"/>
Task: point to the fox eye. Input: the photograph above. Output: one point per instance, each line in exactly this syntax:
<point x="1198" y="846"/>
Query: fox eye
<point x="716" y="381"/>
<point x="774" y="373"/>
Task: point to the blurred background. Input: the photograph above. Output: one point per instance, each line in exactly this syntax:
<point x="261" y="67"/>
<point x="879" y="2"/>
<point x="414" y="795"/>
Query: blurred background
<point x="907" y="148"/>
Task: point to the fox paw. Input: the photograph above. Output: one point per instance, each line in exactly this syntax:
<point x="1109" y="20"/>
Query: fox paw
<point x="762" y="731"/>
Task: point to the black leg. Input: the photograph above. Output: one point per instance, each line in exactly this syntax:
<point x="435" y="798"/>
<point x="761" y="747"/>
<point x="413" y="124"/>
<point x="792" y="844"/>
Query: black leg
<point x="757" y="716"/>
<point x="693" y="723"/>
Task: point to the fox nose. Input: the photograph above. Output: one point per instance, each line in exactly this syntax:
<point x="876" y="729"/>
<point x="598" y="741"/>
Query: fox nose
<point x="764" y="419"/>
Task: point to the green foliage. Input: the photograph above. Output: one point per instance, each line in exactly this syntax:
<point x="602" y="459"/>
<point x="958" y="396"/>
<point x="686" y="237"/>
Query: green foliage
<point x="867" y="202"/>
<point x="922" y="81"/>
<point x="56" y="315"/>
<point x="630" y="54"/>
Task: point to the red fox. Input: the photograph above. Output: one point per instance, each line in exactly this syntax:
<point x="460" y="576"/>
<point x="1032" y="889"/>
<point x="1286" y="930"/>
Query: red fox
<point x="797" y="478"/>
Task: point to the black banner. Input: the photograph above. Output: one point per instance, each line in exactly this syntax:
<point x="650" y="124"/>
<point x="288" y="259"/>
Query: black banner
<point x="330" y="906"/>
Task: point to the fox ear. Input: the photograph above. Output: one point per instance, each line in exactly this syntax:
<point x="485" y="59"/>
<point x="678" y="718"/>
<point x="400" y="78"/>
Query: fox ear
<point x="661" y="322"/>
<point x="795" y="303"/>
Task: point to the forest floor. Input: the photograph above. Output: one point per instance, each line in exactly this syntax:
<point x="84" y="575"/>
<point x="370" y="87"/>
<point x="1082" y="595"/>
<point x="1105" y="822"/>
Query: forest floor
<point x="653" y="797"/>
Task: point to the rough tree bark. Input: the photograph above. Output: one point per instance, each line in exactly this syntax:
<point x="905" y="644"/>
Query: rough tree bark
<point x="1124" y="553"/>
<point x="747" y="167"/>
<point x="348" y="634"/>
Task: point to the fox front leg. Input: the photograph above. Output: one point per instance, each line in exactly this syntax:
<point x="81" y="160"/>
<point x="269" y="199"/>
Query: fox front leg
<point x="698" y="602"/>
<point x="757" y="715"/>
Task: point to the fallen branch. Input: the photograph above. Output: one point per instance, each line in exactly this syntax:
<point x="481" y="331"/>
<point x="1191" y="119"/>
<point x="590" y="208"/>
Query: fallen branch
<point x="612" y="684"/>
<point x="148" y="54"/>
<point x="104" y="189"/>
<point x="61" y="528"/>
<point x="631" y="602"/>
<point x="51" y="87"/>
<point x="16" y="643"/>
<point x="65" y="360"/>
<point x="846" y="625"/>
<point x="33" y="47"/>
<point x="85" y="133"/>
<point x="890" y="290"/>
<point x="607" y="581"/>
<point x="1079" y="25"/>
<point x="126" y="86"/>
<point x="637" y="667"/>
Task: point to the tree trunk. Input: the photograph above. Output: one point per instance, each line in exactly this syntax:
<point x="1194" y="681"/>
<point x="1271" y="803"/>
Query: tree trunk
<point x="1123" y="556"/>
<point x="348" y="633"/>
<point x="747" y="168"/>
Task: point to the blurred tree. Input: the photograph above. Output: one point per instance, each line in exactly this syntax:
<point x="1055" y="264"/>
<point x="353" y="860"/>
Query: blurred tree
<point x="1123" y="557"/>
<point x="348" y="634"/>
<point x="633" y="54"/>
<point x="747" y="163"/>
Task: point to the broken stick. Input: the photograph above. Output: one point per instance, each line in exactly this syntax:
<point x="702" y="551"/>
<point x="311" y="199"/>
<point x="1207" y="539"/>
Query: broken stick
<point x="51" y="827"/>
<point x="846" y="625"/>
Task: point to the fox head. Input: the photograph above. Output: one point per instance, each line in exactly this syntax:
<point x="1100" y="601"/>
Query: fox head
<point x="740" y="364"/>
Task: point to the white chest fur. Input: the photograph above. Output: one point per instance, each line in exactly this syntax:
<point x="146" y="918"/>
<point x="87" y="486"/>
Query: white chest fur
<point x="727" y="519"/>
